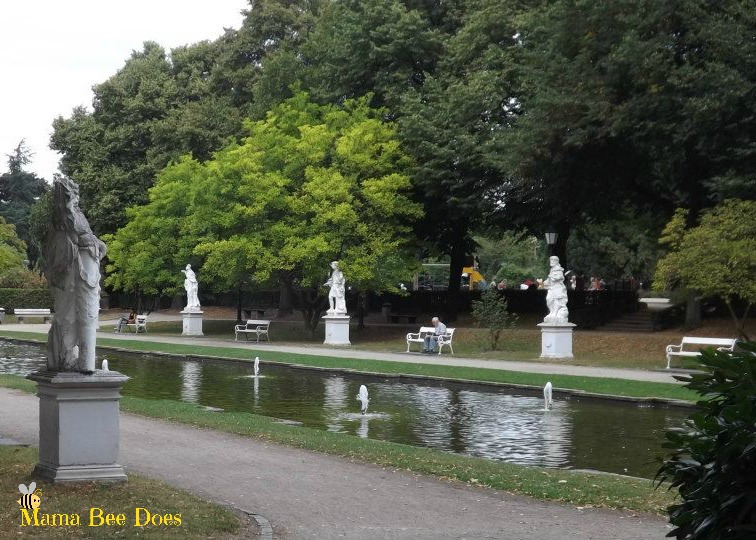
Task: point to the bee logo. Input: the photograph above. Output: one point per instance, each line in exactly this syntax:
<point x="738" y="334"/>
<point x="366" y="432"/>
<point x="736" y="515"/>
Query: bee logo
<point x="28" y="499"/>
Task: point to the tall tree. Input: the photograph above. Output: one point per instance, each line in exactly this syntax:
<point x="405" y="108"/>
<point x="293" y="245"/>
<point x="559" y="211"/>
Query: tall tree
<point x="19" y="191"/>
<point x="310" y="184"/>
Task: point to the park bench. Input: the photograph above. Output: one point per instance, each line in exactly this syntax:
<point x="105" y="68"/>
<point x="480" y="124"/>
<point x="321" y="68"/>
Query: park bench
<point x="411" y="318"/>
<point x="22" y="313"/>
<point x="419" y="337"/>
<point x="139" y="324"/>
<point x="691" y="346"/>
<point x="257" y="327"/>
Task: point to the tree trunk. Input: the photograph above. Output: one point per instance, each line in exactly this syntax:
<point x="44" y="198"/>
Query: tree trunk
<point x="362" y="300"/>
<point x="239" y="304"/>
<point x="692" y="312"/>
<point x="285" y="299"/>
<point x="560" y="249"/>
<point x="456" y="264"/>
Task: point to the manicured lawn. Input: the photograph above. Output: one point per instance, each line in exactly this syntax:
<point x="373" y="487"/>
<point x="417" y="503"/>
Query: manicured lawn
<point x="199" y="519"/>
<point x="594" y="385"/>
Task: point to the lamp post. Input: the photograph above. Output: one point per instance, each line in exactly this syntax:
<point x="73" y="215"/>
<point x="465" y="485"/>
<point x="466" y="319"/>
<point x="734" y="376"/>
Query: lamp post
<point x="551" y="240"/>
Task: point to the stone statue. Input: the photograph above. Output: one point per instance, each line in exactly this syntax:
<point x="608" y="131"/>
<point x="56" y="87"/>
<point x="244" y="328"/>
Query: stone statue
<point x="337" y="291"/>
<point x="73" y="254"/>
<point x="192" y="289"/>
<point x="556" y="297"/>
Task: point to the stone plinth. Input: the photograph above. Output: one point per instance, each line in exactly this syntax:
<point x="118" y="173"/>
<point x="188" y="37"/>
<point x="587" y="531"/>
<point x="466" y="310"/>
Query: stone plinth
<point x="192" y="323"/>
<point x="556" y="340"/>
<point x="79" y="426"/>
<point x="336" y="330"/>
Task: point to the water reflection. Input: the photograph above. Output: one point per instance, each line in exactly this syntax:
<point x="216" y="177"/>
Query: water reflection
<point x="482" y="421"/>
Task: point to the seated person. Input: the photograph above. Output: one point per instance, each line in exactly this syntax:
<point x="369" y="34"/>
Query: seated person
<point x="131" y="319"/>
<point x="431" y="340"/>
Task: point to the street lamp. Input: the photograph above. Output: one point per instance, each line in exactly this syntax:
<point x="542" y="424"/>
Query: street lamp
<point x="551" y="240"/>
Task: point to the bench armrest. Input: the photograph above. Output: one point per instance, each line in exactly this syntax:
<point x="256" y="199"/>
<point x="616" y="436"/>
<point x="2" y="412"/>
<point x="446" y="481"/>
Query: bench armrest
<point x="413" y="335"/>
<point x="240" y="327"/>
<point x="674" y="348"/>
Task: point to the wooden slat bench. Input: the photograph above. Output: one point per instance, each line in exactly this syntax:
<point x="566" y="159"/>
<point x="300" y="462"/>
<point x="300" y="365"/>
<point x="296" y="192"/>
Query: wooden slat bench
<point x="258" y="328"/>
<point x="442" y="339"/>
<point x="22" y="313"/>
<point x="691" y="346"/>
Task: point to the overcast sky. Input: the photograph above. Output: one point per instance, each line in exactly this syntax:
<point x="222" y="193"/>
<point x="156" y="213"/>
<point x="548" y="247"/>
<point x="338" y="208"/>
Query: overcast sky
<point x="52" y="52"/>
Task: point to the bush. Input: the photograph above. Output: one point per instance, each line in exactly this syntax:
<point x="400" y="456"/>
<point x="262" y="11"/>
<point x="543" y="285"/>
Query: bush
<point x="11" y="299"/>
<point x="713" y="456"/>
<point x="491" y="312"/>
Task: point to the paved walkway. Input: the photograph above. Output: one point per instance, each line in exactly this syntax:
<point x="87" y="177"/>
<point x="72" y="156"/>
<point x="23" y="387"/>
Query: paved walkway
<point x="349" y="352"/>
<point x="309" y="495"/>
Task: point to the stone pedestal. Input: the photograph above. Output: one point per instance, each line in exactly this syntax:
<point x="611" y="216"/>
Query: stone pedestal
<point x="192" y="323"/>
<point x="556" y="340"/>
<point x="336" y="330"/>
<point x="79" y="426"/>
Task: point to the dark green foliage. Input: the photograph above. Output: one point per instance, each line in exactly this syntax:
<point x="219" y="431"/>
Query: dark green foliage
<point x="713" y="458"/>
<point x="491" y="312"/>
<point x="19" y="190"/>
<point x="11" y="299"/>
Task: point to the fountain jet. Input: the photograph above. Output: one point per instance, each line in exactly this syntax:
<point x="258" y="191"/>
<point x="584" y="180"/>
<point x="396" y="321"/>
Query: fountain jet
<point x="548" y="402"/>
<point x="257" y="366"/>
<point x="362" y="397"/>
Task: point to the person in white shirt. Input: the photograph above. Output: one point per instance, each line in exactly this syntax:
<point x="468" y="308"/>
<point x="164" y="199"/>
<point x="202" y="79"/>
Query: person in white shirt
<point x="431" y="340"/>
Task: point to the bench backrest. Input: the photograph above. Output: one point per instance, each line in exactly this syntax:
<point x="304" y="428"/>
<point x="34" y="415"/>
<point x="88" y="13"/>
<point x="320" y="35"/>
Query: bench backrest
<point x="31" y="311"/>
<point x="257" y="324"/>
<point x="427" y="330"/>
<point x="450" y="332"/>
<point x="712" y="342"/>
<point x="141" y="319"/>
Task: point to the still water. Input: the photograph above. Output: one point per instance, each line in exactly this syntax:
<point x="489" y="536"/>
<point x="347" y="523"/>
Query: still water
<point x="495" y="423"/>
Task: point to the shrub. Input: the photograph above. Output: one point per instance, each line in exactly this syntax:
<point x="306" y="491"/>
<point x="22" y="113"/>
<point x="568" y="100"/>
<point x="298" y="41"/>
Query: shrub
<point x="491" y="312"/>
<point x="11" y="299"/>
<point x="713" y="456"/>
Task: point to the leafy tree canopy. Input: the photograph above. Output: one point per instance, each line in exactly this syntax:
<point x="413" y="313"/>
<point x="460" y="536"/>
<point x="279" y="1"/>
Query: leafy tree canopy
<point x="19" y="191"/>
<point x="12" y="249"/>
<point x="310" y="184"/>
<point x="717" y="257"/>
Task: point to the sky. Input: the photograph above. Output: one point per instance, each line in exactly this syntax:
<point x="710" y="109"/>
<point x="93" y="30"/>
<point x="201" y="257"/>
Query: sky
<point x="52" y="52"/>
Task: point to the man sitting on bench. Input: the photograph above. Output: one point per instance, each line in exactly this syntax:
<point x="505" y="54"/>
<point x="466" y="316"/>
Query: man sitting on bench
<point x="431" y="340"/>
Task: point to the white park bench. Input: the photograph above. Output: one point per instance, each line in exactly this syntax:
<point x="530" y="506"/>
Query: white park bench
<point x="419" y="337"/>
<point x="258" y="328"/>
<point x="139" y="324"/>
<point x="691" y="346"/>
<point x="32" y="312"/>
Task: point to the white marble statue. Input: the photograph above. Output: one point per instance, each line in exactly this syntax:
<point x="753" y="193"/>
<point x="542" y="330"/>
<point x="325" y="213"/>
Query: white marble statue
<point x="192" y="289"/>
<point x="73" y="254"/>
<point x="556" y="297"/>
<point x="337" y="283"/>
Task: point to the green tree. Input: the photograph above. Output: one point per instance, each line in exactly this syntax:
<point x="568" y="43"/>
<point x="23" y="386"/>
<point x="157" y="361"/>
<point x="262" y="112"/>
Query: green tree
<point x="491" y="312"/>
<point x="715" y="258"/>
<point x="310" y="184"/>
<point x="511" y="256"/>
<point x="12" y="251"/>
<point x="19" y="190"/>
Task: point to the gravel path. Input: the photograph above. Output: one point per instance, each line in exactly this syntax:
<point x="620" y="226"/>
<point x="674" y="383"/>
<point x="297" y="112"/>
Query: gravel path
<point x="310" y="495"/>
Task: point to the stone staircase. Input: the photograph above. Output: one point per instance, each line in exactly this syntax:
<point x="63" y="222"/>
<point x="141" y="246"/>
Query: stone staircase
<point x="638" y="321"/>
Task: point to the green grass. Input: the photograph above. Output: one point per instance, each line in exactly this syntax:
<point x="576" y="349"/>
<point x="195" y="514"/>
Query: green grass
<point x="592" y="385"/>
<point x="200" y="519"/>
<point x="578" y="488"/>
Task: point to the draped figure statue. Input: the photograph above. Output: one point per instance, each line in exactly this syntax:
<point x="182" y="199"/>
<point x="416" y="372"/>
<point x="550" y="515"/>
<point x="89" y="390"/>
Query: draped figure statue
<point x="73" y="254"/>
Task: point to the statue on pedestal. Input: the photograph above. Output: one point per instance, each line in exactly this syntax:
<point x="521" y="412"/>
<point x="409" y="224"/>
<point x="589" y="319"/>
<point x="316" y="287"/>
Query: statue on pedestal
<point x="192" y="289"/>
<point x="73" y="254"/>
<point x="556" y="297"/>
<point x="337" y="291"/>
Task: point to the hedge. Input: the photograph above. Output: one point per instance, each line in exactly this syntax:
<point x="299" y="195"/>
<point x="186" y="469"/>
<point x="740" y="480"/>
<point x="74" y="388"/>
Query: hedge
<point x="11" y="299"/>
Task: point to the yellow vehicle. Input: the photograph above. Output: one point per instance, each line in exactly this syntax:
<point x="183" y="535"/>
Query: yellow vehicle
<point x="435" y="276"/>
<point x="471" y="279"/>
